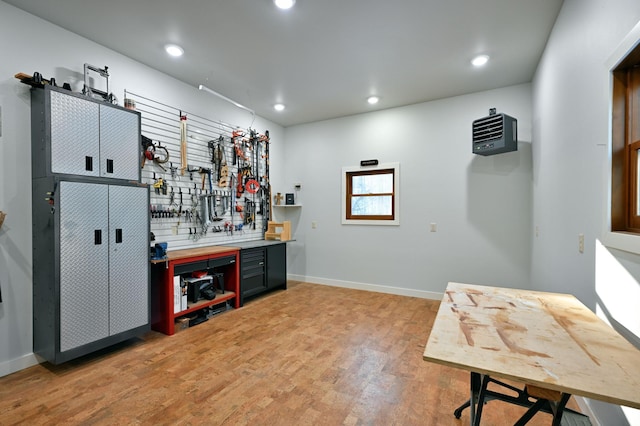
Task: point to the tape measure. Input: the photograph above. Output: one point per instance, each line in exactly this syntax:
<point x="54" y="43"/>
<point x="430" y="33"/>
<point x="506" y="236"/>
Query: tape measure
<point x="252" y="186"/>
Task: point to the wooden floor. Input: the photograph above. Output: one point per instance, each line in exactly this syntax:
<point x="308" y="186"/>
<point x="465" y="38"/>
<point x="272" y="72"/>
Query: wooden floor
<point x="310" y="355"/>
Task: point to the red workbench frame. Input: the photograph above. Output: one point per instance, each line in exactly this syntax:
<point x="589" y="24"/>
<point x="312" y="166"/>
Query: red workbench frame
<point x="162" y="315"/>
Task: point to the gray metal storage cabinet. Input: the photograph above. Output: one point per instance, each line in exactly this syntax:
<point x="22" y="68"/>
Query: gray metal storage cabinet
<point x="73" y="134"/>
<point x="90" y="233"/>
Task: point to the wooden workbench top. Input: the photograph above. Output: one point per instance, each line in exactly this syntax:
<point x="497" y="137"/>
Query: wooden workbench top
<point x="195" y="252"/>
<point x="546" y="339"/>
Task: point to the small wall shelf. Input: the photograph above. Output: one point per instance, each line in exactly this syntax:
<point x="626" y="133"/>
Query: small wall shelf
<point x="287" y="205"/>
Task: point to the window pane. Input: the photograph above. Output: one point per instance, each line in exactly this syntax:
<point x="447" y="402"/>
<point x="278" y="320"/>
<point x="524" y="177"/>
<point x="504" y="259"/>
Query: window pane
<point x="372" y="184"/>
<point x="371" y="206"/>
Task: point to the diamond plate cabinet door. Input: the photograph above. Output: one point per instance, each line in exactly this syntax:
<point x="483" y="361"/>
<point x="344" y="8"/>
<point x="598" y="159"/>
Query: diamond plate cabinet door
<point x="128" y="258"/>
<point x="119" y="143"/>
<point x="84" y="264"/>
<point x="75" y="135"/>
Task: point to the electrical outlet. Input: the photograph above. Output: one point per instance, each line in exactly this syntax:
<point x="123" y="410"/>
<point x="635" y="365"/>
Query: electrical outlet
<point x="433" y="227"/>
<point x="314" y="224"/>
<point x="581" y="243"/>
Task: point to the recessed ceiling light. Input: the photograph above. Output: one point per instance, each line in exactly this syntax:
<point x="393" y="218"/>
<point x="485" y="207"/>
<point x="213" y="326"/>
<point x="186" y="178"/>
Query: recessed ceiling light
<point x="480" y="60"/>
<point x="284" y="4"/>
<point x="373" y="100"/>
<point x="174" y="50"/>
<point x="279" y="107"/>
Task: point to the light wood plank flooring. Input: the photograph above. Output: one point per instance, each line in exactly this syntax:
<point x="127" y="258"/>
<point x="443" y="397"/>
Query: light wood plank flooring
<point x="310" y="355"/>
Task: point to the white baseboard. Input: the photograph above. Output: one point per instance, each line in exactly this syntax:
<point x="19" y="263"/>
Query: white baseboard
<point x="368" y="287"/>
<point x="17" y="364"/>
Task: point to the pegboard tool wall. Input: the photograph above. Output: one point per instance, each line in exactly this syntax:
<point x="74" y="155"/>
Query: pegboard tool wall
<point x="196" y="199"/>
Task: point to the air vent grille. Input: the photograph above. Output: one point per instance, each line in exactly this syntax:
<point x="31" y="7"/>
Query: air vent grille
<point x="488" y="128"/>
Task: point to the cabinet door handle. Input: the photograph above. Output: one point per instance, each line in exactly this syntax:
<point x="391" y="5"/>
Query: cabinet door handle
<point x="118" y="236"/>
<point x="109" y="166"/>
<point x="97" y="237"/>
<point x="261" y="263"/>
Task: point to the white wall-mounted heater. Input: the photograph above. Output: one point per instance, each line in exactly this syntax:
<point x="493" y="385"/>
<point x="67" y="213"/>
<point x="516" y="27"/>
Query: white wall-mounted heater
<point x="495" y="134"/>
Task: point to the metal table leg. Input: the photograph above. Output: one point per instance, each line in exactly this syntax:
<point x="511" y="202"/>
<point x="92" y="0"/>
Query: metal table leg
<point x="480" y="395"/>
<point x="481" y="400"/>
<point x="475" y="384"/>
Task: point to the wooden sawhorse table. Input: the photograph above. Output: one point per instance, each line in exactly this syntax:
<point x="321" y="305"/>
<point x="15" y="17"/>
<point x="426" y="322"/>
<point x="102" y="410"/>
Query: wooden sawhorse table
<point x="550" y="342"/>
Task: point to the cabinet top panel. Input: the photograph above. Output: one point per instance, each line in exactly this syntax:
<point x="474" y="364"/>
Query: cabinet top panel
<point x="258" y="243"/>
<point x="79" y="95"/>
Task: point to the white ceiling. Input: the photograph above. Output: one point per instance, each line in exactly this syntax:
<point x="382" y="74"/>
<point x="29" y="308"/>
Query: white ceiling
<point x="322" y="58"/>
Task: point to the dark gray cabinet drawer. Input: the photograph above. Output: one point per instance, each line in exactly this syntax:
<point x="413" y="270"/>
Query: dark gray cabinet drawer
<point x="186" y="268"/>
<point x="221" y="261"/>
<point x="252" y="256"/>
<point x="253" y="285"/>
<point x="203" y="265"/>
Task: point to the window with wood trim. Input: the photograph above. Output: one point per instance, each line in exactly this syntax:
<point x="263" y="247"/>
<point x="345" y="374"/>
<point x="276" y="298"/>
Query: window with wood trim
<point x="370" y="195"/>
<point x="625" y="138"/>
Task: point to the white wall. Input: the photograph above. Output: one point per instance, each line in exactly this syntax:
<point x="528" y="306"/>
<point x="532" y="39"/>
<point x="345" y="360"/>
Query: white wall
<point x="29" y="44"/>
<point x="571" y="98"/>
<point x="481" y="205"/>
